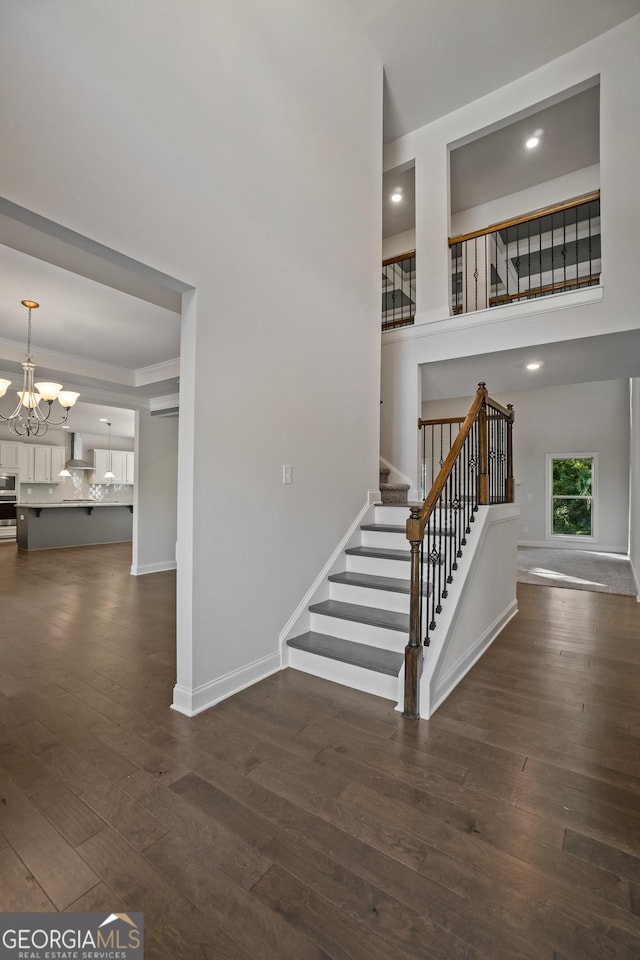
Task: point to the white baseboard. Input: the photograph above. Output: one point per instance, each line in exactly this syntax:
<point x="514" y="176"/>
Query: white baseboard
<point x="635" y="580"/>
<point x="191" y="702"/>
<point x="140" y="569"/>
<point x="453" y="676"/>
<point x="574" y="545"/>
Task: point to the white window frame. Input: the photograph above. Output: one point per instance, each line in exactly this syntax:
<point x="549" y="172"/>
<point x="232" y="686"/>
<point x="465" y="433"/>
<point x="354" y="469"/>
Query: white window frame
<point x="571" y="538"/>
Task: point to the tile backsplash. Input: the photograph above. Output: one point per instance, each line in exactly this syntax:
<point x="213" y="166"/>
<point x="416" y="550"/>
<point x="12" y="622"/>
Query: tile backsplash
<point x="76" y="487"/>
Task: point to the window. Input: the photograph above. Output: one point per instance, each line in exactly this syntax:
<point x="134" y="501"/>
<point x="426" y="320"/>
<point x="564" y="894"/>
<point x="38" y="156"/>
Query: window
<point x="572" y="488"/>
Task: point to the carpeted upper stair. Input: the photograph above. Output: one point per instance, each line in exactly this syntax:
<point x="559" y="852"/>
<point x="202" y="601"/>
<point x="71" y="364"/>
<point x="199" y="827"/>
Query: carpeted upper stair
<point x="392" y="492"/>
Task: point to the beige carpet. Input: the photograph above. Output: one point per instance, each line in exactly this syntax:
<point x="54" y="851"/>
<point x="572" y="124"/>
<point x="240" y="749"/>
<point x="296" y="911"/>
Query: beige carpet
<point x="576" y="570"/>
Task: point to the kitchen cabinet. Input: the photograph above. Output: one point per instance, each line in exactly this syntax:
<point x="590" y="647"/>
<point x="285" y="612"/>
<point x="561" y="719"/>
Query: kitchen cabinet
<point x="122" y="466"/>
<point x="130" y="465"/>
<point x="40" y="463"/>
<point x="100" y="465"/>
<point x="26" y="462"/>
<point x="9" y="454"/>
<point x="58" y="460"/>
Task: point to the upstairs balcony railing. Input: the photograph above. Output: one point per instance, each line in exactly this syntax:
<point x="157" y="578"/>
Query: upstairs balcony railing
<point x="399" y="291"/>
<point x="549" y="251"/>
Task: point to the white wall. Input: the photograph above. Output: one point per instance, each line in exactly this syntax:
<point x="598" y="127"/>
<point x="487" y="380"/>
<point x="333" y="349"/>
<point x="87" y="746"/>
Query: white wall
<point x="634" y="483"/>
<point x="156" y="494"/>
<point x="575" y="184"/>
<point x="237" y="148"/>
<point x="590" y="312"/>
<point x="398" y="243"/>
<point x="579" y="418"/>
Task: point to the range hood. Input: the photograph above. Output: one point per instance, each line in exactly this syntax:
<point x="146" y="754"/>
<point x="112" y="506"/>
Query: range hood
<point x="76" y="460"/>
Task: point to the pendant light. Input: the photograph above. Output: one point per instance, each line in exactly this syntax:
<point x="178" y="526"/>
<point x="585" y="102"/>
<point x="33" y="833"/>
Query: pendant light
<point x="109" y="475"/>
<point x="37" y="418"/>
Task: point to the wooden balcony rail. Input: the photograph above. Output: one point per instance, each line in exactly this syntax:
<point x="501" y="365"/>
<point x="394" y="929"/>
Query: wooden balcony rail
<point x="399" y="290"/>
<point x="472" y="468"/>
<point x="552" y="250"/>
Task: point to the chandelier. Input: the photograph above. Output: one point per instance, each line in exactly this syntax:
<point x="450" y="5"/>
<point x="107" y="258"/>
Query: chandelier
<point x="37" y="418"/>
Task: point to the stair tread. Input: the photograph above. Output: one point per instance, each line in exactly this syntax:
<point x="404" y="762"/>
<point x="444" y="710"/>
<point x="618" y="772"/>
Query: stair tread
<point x="399" y="528"/>
<point x="383" y="553"/>
<point x="385" y="527"/>
<point x="392" y="584"/>
<point x="356" y="654"/>
<point x="358" y="613"/>
<point x="405" y="504"/>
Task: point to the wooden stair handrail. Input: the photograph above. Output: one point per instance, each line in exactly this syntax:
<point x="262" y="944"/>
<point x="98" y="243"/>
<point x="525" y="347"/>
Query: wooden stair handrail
<point x="416" y="524"/>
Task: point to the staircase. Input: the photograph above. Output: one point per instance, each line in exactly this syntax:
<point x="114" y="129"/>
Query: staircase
<point x="415" y="579"/>
<point x="392" y="492"/>
<point x="357" y="636"/>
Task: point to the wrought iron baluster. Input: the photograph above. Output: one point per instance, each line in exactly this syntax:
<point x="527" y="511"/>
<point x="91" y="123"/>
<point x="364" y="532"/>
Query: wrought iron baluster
<point x="564" y="249"/>
<point x="540" y="253"/>
<point x="528" y="256"/>
<point x="577" y="254"/>
<point x="475" y="271"/>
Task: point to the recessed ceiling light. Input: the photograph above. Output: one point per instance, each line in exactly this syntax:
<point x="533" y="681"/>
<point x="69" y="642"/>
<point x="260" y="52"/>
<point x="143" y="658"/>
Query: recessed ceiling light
<point x="396" y="196"/>
<point x="534" y="366"/>
<point x="532" y="142"/>
<point x="103" y="420"/>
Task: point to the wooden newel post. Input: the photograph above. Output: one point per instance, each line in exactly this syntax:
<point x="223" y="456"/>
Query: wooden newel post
<point x="413" y="650"/>
<point x="483" y="452"/>
<point x="509" y="484"/>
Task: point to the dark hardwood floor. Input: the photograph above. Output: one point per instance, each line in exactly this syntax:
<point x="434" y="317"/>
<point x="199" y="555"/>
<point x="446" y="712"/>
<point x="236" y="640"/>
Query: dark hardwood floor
<point x="301" y="820"/>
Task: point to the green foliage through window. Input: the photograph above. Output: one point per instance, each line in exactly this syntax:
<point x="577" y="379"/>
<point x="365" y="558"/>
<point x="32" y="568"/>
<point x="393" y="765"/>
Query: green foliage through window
<point x="572" y="496"/>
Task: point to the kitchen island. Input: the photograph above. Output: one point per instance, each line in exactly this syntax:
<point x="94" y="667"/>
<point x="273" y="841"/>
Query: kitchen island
<point x="45" y="526"/>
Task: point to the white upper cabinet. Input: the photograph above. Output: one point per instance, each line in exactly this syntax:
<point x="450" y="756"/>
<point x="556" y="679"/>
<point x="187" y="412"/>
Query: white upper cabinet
<point x="121" y="463"/>
<point x="40" y="463"/>
<point x="9" y="451"/>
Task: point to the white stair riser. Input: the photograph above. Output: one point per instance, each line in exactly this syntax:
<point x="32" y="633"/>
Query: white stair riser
<point x="388" y="541"/>
<point x="359" y="632"/>
<point x="401" y="569"/>
<point x="370" y="597"/>
<point x="391" y="514"/>
<point x="378" y="684"/>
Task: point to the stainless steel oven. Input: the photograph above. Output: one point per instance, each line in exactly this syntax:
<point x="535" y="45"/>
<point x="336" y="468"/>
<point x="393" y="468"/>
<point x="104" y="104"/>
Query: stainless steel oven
<point x="8" y="482"/>
<point x="7" y="515"/>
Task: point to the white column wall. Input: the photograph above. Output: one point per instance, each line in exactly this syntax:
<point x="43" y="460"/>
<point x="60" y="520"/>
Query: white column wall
<point x="634" y="483"/>
<point x="437" y="336"/>
<point x="236" y="147"/>
<point x="155" y="494"/>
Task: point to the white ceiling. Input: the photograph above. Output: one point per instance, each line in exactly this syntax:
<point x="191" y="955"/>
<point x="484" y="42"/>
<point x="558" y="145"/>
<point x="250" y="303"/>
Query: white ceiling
<point x="90" y="334"/>
<point x="83" y="318"/>
<point x="499" y="164"/>
<point x="613" y="356"/>
<point x="398" y="217"/>
<point x="439" y="56"/>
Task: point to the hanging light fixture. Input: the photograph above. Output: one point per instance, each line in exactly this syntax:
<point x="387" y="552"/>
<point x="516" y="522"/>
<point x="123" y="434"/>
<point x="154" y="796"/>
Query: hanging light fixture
<point x="109" y="475"/>
<point x="37" y="418"/>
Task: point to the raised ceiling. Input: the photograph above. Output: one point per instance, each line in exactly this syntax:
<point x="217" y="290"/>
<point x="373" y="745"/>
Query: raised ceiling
<point x="498" y="163"/>
<point x="612" y="356"/>
<point x="439" y="56"/>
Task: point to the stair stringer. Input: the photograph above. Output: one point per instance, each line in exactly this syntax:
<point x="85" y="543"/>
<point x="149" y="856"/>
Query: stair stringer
<point x="481" y="601"/>
<point x="300" y="619"/>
